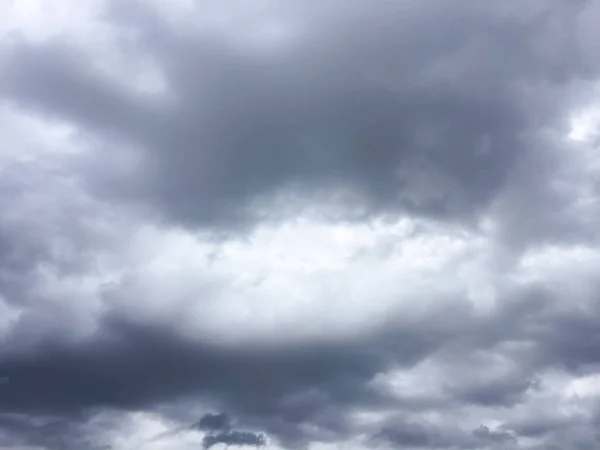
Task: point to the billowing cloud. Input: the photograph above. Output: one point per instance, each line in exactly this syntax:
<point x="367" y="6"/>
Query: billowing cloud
<point x="300" y="224"/>
<point x="213" y="422"/>
<point x="236" y="438"/>
<point x="358" y="117"/>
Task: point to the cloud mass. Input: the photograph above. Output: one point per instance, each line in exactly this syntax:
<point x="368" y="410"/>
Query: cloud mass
<point x="300" y="224"/>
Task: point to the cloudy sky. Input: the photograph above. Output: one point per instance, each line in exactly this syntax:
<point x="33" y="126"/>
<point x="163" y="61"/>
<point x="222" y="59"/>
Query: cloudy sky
<point x="299" y="224"/>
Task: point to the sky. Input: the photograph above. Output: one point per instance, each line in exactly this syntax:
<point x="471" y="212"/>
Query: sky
<point x="299" y="224"/>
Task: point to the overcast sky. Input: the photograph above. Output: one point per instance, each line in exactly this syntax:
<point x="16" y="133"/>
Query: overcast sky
<point x="300" y="224"/>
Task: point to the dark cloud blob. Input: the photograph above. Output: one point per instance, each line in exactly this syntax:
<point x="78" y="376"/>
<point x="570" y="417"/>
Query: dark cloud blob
<point x="213" y="422"/>
<point x="219" y="431"/>
<point x="133" y="366"/>
<point x="235" y="438"/>
<point x="369" y="110"/>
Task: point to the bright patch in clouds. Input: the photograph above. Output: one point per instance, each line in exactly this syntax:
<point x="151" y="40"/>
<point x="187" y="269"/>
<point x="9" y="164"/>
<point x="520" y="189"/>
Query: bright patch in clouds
<point x="586" y="125"/>
<point x="291" y="279"/>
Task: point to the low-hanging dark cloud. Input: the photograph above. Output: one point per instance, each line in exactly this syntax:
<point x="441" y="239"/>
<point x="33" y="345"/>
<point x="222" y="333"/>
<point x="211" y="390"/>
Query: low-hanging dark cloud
<point x="213" y="422"/>
<point x="235" y="438"/>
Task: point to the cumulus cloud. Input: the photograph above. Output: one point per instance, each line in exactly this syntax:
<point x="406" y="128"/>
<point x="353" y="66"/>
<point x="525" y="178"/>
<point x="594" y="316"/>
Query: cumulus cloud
<point x="369" y="224"/>
<point x="235" y="438"/>
<point x="213" y="422"/>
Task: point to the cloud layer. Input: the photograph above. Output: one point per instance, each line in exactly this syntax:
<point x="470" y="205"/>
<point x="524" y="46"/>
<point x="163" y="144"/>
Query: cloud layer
<point x="300" y="224"/>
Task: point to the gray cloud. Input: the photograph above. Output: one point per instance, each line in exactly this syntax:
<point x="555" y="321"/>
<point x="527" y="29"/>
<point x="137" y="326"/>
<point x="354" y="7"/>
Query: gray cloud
<point x="218" y="429"/>
<point x="412" y="434"/>
<point x="452" y="116"/>
<point x="280" y="389"/>
<point x="370" y="112"/>
<point x="236" y="438"/>
<point x="135" y="367"/>
<point x="485" y="434"/>
<point x="213" y="422"/>
<point x="49" y="432"/>
<point x="409" y="435"/>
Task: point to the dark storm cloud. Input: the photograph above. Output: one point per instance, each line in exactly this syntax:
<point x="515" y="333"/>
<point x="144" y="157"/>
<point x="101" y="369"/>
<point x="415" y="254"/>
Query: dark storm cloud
<point x="213" y="422"/>
<point x="136" y="366"/>
<point x="277" y="389"/>
<point x="407" y="106"/>
<point x="235" y="438"/>
<point x="218" y="429"/>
